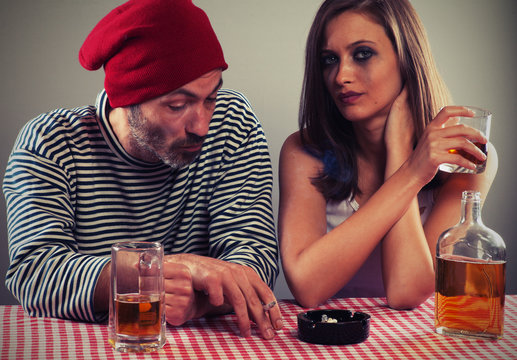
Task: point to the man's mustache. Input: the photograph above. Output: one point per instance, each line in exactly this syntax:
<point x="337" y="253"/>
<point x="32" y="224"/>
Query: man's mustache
<point x="191" y="139"/>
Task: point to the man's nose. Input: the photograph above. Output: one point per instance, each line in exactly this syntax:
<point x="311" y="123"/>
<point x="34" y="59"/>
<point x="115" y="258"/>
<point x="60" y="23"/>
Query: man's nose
<point x="200" y="121"/>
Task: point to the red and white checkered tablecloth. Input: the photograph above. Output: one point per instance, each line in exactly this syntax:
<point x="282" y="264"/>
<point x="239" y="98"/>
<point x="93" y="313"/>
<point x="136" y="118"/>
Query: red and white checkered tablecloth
<point x="393" y="335"/>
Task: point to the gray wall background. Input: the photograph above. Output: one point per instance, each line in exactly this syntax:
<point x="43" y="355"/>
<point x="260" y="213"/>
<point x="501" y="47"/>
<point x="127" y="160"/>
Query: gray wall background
<point x="473" y="42"/>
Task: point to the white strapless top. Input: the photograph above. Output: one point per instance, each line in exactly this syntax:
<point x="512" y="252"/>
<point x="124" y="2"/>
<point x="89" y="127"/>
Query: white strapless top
<point x="367" y="282"/>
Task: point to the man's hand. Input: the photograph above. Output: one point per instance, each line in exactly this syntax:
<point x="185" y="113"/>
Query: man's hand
<point x="198" y="285"/>
<point x="180" y="297"/>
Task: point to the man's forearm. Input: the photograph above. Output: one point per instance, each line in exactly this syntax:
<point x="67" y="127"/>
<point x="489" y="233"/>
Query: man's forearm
<point x="102" y="290"/>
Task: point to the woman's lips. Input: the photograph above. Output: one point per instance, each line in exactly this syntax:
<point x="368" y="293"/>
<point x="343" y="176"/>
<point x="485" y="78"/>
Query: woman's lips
<point x="349" y="97"/>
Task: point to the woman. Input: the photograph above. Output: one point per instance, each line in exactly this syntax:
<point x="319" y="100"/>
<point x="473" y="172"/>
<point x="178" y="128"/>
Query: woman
<point x="362" y="202"/>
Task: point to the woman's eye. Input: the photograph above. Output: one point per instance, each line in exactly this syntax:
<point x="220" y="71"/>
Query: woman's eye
<point x="329" y="59"/>
<point x="363" y="54"/>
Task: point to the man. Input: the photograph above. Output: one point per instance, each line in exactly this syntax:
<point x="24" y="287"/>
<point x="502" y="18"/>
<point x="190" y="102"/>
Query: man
<point x="165" y="155"/>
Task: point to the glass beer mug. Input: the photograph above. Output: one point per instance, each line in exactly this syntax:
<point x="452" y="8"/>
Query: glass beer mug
<point x="137" y="309"/>
<point x="470" y="276"/>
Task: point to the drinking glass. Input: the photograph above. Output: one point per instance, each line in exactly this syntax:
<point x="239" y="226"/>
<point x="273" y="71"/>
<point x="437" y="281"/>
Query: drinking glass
<point x="137" y="308"/>
<point x="481" y="121"/>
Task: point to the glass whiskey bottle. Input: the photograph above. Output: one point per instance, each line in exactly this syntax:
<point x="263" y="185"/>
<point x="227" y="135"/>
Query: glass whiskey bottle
<point x="470" y="276"/>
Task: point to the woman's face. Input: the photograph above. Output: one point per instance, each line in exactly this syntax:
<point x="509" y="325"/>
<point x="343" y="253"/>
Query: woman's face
<point x="360" y="67"/>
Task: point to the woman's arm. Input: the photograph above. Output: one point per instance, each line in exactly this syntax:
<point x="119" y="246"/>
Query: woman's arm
<point x="407" y="265"/>
<point x="408" y="249"/>
<point x="316" y="263"/>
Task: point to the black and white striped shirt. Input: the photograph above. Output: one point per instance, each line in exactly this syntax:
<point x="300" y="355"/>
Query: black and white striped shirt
<point x="72" y="191"/>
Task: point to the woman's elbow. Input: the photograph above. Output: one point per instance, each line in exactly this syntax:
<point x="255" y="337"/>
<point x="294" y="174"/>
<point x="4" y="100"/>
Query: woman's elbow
<point x="402" y="300"/>
<point x="308" y="301"/>
<point x="307" y="296"/>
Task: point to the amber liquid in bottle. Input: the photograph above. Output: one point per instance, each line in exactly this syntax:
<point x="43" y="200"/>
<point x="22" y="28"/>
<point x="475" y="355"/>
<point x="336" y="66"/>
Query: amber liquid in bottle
<point x="469" y="297"/>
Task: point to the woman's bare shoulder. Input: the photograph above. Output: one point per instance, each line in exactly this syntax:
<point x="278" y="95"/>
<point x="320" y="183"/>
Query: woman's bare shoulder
<point x="293" y="146"/>
<point x="293" y="141"/>
<point x="296" y="161"/>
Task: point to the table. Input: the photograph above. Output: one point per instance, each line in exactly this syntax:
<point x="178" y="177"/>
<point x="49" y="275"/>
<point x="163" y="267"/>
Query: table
<point x="393" y="334"/>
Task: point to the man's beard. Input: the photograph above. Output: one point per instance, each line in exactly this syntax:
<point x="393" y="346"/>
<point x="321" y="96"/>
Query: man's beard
<point x="151" y="140"/>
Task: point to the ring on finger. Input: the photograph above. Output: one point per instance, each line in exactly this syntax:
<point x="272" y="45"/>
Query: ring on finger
<point x="270" y="305"/>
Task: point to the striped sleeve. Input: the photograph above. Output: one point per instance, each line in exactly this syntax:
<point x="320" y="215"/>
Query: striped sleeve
<point x="47" y="274"/>
<point x="242" y="227"/>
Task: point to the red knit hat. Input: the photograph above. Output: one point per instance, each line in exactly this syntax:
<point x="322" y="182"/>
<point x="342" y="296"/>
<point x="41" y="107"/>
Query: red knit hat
<point x="151" y="47"/>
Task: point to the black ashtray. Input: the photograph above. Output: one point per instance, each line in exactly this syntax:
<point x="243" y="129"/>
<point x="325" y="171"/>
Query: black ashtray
<point x="333" y="327"/>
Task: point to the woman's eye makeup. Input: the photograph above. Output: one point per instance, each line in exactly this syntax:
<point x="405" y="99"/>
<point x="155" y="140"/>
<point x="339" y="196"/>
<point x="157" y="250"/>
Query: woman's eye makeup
<point x="360" y="54"/>
<point x="363" y="53"/>
<point x="328" y="59"/>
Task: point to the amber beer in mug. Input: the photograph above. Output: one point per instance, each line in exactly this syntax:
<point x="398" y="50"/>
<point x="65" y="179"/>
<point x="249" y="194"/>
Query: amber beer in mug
<point x="137" y="317"/>
<point x="480" y="121"/>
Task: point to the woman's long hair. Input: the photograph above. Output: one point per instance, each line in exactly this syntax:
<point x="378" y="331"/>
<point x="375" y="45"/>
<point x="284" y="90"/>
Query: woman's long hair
<point x="324" y="131"/>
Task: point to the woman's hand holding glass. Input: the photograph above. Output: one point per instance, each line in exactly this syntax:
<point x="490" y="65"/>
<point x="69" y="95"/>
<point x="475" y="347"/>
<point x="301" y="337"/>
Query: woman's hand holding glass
<point x="441" y="135"/>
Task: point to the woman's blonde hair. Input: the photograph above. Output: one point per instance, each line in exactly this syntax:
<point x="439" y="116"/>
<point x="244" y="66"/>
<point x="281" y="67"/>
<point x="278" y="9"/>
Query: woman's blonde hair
<point x="324" y="131"/>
